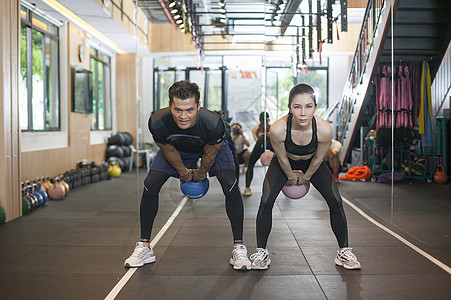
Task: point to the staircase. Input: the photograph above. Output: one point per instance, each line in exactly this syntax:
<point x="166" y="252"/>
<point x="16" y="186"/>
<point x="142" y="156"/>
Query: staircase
<point x="422" y="32"/>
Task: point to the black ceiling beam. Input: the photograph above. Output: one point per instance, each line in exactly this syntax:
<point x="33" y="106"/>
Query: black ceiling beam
<point x="291" y="6"/>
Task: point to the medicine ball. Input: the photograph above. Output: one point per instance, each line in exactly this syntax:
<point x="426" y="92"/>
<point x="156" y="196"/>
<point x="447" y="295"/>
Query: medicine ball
<point x="195" y="189"/>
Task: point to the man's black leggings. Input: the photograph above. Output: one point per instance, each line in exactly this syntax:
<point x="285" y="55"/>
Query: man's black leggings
<point x="257" y="151"/>
<point x="322" y="180"/>
<point x="150" y="200"/>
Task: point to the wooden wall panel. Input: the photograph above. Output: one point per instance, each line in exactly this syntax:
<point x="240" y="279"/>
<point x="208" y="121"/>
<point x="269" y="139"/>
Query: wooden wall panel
<point x="10" y="197"/>
<point x="165" y="38"/>
<point x="126" y="93"/>
<point x="357" y="3"/>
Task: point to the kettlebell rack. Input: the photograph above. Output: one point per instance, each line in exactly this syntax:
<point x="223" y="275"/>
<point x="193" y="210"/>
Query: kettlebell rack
<point x="413" y="160"/>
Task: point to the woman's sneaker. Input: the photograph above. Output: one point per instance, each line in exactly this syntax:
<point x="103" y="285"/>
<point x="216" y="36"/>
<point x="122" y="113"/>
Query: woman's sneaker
<point x="239" y="259"/>
<point x="347" y="259"/>
<point x="140" y="256"/>
<point x="260" y="260"/>
<point x="247" y="192"/>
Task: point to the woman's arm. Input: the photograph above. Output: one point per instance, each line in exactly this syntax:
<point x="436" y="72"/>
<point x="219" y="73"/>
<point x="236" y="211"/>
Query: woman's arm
<point x="324" y="134"/>
<point x="277" y="136"/>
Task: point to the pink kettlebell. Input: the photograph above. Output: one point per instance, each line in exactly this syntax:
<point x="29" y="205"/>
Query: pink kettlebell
<point x="296" y="191"/>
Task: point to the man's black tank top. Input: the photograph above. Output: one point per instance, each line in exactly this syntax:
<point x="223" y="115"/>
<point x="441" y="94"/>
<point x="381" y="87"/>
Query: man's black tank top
<point x="292" y="148"/>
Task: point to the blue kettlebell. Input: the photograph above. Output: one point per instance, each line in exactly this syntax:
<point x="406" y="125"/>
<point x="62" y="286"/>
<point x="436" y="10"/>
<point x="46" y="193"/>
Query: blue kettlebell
<point x="194" y="189"/>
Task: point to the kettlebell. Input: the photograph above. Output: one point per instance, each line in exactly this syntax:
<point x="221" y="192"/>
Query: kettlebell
<point x="64" y="184"/>
<point x="56" y="191"/>
<point x="440" y="175"/>
<point x="114" y="170"/>
<point x="38" y="196"/>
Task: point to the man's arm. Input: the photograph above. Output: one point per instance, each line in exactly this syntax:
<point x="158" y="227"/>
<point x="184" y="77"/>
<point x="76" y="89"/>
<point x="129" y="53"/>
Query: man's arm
<point x="173" y="157"/>
<point x="207" y="160"/>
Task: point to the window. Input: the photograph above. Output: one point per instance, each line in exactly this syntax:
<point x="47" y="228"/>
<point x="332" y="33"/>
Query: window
<point x="39" y="73"/>
<point x="101" y="89"/>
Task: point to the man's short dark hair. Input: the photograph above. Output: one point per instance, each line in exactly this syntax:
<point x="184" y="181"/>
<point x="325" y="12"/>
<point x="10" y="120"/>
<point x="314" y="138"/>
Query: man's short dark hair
<point x="184" y="90"/>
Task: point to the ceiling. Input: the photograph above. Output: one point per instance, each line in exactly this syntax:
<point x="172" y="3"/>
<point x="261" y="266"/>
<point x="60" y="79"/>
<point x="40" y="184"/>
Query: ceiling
<point x="248" y="22"/>
<point x="245" y="21"/>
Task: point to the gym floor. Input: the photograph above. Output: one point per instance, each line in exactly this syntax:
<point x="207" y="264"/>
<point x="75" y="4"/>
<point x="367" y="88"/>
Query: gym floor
<point x="75" y="248"/>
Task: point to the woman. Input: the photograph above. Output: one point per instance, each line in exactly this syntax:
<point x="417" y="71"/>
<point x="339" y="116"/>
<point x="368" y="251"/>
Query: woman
<point x="300" y="141"/>
<point x="263" y="142"/>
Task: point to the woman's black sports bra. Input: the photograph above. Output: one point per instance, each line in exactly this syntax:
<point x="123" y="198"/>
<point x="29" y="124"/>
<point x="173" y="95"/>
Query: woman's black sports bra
<point x="292" y="148"/>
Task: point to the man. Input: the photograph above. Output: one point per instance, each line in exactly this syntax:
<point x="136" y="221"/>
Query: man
<point x="185" y="132"/>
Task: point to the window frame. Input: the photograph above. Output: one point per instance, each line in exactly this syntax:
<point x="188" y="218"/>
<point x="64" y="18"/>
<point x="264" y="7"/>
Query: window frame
<point x="95" y="89"/>
<point x="29" y="27"/>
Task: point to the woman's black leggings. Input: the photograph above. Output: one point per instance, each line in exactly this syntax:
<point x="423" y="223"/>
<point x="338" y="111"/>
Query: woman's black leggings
<point x="150" y="200"/>
<point x="322" y="180"/>
<point x="258" y="150"/>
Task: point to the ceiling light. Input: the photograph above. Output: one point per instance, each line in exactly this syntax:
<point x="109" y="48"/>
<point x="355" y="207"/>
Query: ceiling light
<point x="222" y="10"/>
<point x="183" y="30"/>
<point x="182" y="26"/>
<point x="174" y="11"/>
<point x="223" y="21"/>
<point x="172" y="4"/>
<point x="83" y="25"/>
<point x="221" y="4"/>
<point x="179" y="21"/>
<point x="279" y="10"/>
<point x="176" y="17"/>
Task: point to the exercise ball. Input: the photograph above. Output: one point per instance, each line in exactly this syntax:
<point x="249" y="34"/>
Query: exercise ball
<point x="266" y="157"/>
<point x="296" y="191"/>
<point x="194" y="189"/>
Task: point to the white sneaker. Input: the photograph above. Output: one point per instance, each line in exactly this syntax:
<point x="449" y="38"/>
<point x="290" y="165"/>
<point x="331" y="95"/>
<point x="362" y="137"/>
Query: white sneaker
<point x="260" y="260"/>
<point x="140" y="256"/>
<point x="347" y="259"/>
<point x="247" y="192"/>
<point x="239" y="259"/>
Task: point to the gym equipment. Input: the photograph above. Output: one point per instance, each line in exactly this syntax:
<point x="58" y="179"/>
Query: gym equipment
<point x="56" y="191"/>
<point x="296" y="191"/>
<point x="195" y="189"/>
<point x="2" y="215"/>
<point x="266" y="157"/>
<point x="64" y="184"/>
<point x="118" y="160"/>
<point x="26" y="206"/>
<point x="440" y="175"/>
<point x="114" y="150"/>
<point x="41" y="190"/>
<point x="115" y="170"/>
<point x="34" y="191"/>
<point x="46" y="184"/>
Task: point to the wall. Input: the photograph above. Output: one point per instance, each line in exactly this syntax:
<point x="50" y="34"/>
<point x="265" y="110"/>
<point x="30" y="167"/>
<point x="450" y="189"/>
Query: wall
<point x="126" y="93"/>
<point x="165" y="38"/>
<point x="10" y="198"/>
<point x="53" y="162"/>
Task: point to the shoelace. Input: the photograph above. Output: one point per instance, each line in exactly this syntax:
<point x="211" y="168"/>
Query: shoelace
<point x="139" y="252"/>
<point x="348" y="255"/>
<point x="240" y="253"/>
<point x="260" y="255"/>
